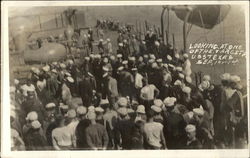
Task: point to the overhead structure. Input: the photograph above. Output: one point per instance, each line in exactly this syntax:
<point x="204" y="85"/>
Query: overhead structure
<point x="204" y="16"/>
<point x="49" y="52"/>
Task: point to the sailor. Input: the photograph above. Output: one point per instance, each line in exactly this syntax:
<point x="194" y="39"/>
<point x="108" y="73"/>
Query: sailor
<point x="34" y="140"/>
<point x="192" y="141"/>
<point x="111" y="89"/>
<point x="154" y="133"/>
<point x="174" y="125"/>
<point x="61" y="137"/>
<point x="86" y="87"/>
<point x="96" y="134"/>
<point x="71" y="123"/>
<point x="123" y="129"/>
<point x="147" y="95"/>
<point x="99" y="116"/>
<point x="81" y="127"/>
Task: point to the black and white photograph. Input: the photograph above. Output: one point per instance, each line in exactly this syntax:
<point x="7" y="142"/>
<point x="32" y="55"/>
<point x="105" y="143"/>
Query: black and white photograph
<point x="126" y="77"/>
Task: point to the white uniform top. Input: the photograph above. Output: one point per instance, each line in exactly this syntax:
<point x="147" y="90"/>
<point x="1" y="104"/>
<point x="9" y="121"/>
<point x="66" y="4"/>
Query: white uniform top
<point x="138" y="80"/>
<point x="61" y="136"/>
<point x="147" y="92"/>
<point x="153" y="133"/>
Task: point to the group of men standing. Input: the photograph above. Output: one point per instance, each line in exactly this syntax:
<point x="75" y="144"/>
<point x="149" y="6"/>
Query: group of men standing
<point x="140" y="97"/>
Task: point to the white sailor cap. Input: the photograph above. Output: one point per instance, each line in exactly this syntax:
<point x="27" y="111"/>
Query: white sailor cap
<point x="36" y="71"/>
<point x="35" y="124"/>
<point x="134" y="69"/>
<point x="32" y="69"/>
<point x="154" y="65"/>
<point x="151" y="60"/>
<point x="169" y="101"/>
<point x="132" y="58"/>
<point x="91" y="108"/>
<point x="105" y="68"/>
<point x="130" y="110"/>
<point x="63" y="106"/>
<point x="171" y="65"/>
<point x="120" y="68"/>
<point x="178" y="68"/>
<point x="125" y="62"/>
<point x="141" y="109"/>
<point x="235" y="78"/>
<point x="205" y="84"/>
<point x="225" y="76"/>
<point x="169" y="57"/>
<point x="16" y="81"/>
<point x="158" y="102"/>
<point x="186" y="90"/>
<point x="50" y="105"/>
<point x="105" y="75"/>
<point x="152" y="56"/>
<point x="122" y="101"/>
<point x="177" y="55"/>
<point x="157" y="43"/>
<point x="87" y="58"/>
<point x="140" y="58"/>
<point x="177" y="83"/>
<point x="104" y="101"/>
<point x="119" y="55"/>
<point x="190" y="128"/>
<point x="105" y="60"/>
<point x="99" y="109"/>
<point x="32" y="116"/>
<point x="206" y="78"/>
<point x="54" y="70"/>
<point x="46" y="68"/>
<point x="67" y="74"/>
<point x="159" y="60"/>
<point x="199" y="111"/>
<point x="185" y="55"/>
<point x="188" y="79"/>
<point x="98" y="56"/>
<point x="181" y="75"/>
<point x="62" y="65"/>
<point x="112" y="57"/>
<point x="70" y="61"/>
<point x="81" y="110"/>
<point x="156" y="108"/>
<point x="190" y="114"/>
<point x="70" y="79"/>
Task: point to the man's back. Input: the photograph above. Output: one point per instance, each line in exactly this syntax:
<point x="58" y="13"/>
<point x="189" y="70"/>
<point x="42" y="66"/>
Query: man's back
<point x="153" y="133"/>
<point x="81" y="134"/>
<point x="96" y="136"/>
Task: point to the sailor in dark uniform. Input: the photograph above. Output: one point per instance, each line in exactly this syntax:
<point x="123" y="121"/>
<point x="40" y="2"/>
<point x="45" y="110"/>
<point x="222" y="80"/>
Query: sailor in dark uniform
<point x="192" y="142"/>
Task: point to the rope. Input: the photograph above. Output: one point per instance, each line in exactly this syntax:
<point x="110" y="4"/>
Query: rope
<point x="189" y="29"/>
<point x="202" y="22"/>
